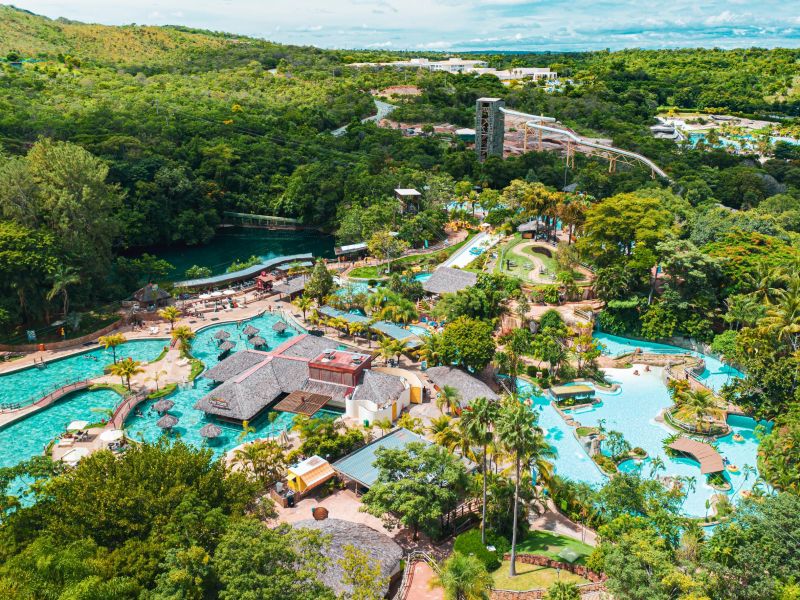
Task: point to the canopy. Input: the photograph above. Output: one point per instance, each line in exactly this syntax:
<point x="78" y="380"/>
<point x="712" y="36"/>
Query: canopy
<point x="225" y="346"/>
<point x="112" y="435"/>
<point x="222" y="335"/>
<point x="258" y="341"/>
<point x="250" y="331"/>
<point x="163" y="406"/>
<point x="167" y="422"/>
<point x="75" y="455"/>
<point x="280" y="327"/>
<point x="210" y="431"/>
<point x="77" y="425"/>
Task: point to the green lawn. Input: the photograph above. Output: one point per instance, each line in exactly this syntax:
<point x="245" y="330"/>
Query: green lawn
<point x="531" y="577"/>
<point x="550" y="544"/>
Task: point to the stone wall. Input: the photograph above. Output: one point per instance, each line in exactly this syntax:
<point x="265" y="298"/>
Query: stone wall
<point x="539" y="594"/>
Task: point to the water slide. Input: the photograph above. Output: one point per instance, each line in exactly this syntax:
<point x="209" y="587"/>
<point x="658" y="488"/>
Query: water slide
<point x="536" y="122"/>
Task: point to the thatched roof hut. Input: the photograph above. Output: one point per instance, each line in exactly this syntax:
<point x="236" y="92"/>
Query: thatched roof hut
<point x="258" y="341"/>
<point x="447" y="280"/>
<point x="234" y="365"/>
<point x="250" y="331"/>
<point x="167" y="422"/>
<point x="222" y="335"/>
<point x="382" y="550"/>
<point x="151" y="294"/>
<point x="163" y="406"/>
<point x="210" y="431"/>
<point x="227" y="346"/>
<point x="279" y="326"/>
<point x="468" y="386"/>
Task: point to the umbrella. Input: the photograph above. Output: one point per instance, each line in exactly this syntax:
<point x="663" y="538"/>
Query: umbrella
<point x="225" y="346"/>
<point x="204" y="296"/>
<point x="258" y="341"/>
<point x="75" y="455"/>
<point x="163" y="406"/>
<point x="77" y="425"/>
<point x="569" y="555"/>
<point x="112" y="435"/>
<point x="210" y="431"/>
<point x="229" y="292"/>
<point x="216" y="294"/>
<point x="250" y="331"/>
<point x="280" y="327"/>
<point x="222" y="335"/>
<point x="167" y="422"/>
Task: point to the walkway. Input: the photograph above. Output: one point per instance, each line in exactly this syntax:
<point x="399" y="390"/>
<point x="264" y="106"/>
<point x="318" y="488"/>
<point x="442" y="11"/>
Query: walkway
<point x="419" y="586"/>
<point x="463" y="257"/>
<point x="384" y="108"/>
<point x="555" y="522"/>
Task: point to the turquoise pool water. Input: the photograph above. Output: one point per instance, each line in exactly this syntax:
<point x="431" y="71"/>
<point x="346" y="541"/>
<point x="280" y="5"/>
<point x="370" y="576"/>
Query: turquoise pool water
<point x="632" y="412"/>
<point x="352" y="288"/>
<point x="28" y="437"/>
<point x="30" y="384"/>
<point x="715" y="375"/>
<point x="422" y="276"/>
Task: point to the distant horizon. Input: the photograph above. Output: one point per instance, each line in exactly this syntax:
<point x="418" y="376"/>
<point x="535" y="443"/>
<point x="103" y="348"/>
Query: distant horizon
<point x="511" y="26"/>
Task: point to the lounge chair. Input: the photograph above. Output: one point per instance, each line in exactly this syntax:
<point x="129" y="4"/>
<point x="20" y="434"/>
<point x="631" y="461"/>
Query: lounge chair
<point x="66" y="442"/>
<point x="154" y="330"/>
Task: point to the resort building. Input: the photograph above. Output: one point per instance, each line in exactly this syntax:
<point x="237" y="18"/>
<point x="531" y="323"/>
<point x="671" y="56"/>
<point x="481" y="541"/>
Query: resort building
<point x="302" y="376"/>
<point x="468" y="387"/>
<point x="455" y="64"/>
<point x="576" y="394"/>
<point x="447" y="280"/>
<point x="308" y="474"/>
<point x="382" y="327"/>
<point x="382" y="549"/>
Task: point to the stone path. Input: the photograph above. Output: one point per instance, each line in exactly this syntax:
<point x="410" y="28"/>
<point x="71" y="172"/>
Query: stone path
<point x="420" y="583"/>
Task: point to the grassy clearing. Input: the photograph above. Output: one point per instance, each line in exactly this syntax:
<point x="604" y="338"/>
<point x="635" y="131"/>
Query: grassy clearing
<point x="550" y="544"/>
<point x="531" y="577"/>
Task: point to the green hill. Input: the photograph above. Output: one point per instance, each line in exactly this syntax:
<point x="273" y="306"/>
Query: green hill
<point x="34" y="36"/>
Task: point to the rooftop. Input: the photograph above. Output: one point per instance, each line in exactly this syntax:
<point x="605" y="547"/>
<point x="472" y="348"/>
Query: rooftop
<point x="379" y="388"/>
<point x="447" y="280"/>
<point x="243" y="274"/>
<point x="341" y="359"/>
<point x="560" y="392"/>
<point x="359" y="466"/>
<point x="468" y="386"/>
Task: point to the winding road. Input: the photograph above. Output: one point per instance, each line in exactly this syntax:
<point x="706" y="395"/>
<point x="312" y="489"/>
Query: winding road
<point x="384" y="109"/>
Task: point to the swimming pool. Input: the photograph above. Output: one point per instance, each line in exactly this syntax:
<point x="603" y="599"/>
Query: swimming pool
<point x="632" y="412"/>
<point x="29" y="436"/>
<point x="715" y="375"/>
<point x="419" y="330"/>
<point x="421" y="277"/>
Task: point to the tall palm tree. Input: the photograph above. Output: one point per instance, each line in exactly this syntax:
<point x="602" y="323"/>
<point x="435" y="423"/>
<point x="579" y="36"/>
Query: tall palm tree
<point x="656" y="465"/>
<point x="63" y="278"/>
<point x="518" y="433"/>
<point x="171" y="314"/>
<point x="386" y="348"/>
<point x="304" y="303"/>
<point x="112" y="341"/>
<point x="449" y="398"/>
<point x="783" y="317"/>
<point x="429" y="350"/>
<point x="125" y="369"/>
<point x="477" y="422"/>
<point x="384" y="424"/>
<point x="765" y="281"/>
<point x="443" y="433"/>
<point x="464" y="578"/>
<point x="698" y="402"/>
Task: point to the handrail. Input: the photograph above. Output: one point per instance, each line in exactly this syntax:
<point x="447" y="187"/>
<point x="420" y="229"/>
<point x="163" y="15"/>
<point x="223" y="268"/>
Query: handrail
<point x="129" y="402"/>
<point x="413" y="557"/>
<point x="535" y="123"/>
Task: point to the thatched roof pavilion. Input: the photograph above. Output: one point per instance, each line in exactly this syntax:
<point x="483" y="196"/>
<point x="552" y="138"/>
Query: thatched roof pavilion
<point x="382" y="550"/>
<point x="163" y="406"/>
<point x="167" y="422"/>
<point x="258" y="341"/>
<point x="250" y="331"/>
<point x="226" y="346"/>
<point x="234" y="365"/>
<point x="447" y="280"/>
<point x="222" y="335"/>
<point x="468" y="386"/>
<point x="151" y="294"/>
<point x="279" y="326"/>
<point x="210" y="431"/>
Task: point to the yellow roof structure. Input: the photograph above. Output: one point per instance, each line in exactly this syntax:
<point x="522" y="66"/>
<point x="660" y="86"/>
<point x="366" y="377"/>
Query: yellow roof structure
<point x="309" y="473"/>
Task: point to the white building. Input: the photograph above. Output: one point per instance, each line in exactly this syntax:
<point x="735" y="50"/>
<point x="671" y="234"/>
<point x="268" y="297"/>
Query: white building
<point x="379" y="396"/>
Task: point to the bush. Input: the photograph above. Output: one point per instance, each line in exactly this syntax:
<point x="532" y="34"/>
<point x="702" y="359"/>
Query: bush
<point x="606" y="464"/>
<point x="469" y="543"/>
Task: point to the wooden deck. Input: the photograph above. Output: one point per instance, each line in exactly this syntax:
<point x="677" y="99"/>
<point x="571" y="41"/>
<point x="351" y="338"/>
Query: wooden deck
<point x="302" y="403"/>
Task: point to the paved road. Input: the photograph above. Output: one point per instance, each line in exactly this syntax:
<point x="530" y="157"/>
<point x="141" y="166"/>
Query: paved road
<point x="383" y="108"/>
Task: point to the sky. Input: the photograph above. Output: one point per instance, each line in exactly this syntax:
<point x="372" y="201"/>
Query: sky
<point x="529" y="25"/>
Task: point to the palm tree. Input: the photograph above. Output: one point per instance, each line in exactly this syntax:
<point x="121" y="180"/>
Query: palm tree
<point x="443" y="433"/>
<point x="476" y="423"/>
<point x="464" y="578"/>
<point x="656" y="465"/>
<point x="356" y="327"/>
<point x="764" y="280"/>
<point x="184" y="335"/>
<point x="429" y="351"/>
<point x="63" y="278"/>
<point x="698" y="403"/>
<point x="171" y="314"/>
<point x="246" y="429"/>
<point x="125" y="369"/>
<point x="518" y="434"/>
<point x="112" y="341"/>
<point x="304" y="303"/>
<point x="386" y="348"/>
<point x="783" y="317"/>
<point x="156" y="377"/>
<point x="449" y="398"/>
<point x="384" y="424"/>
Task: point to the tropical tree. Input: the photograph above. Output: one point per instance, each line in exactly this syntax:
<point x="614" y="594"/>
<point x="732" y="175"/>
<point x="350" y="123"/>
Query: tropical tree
<point x="112" y="341"/>
<point x="125" y="369"/>
<point x="443" y="432"/>
<point x="698" y="403"/>
<point x="477" y="422"/>
<point x="464" y="577"/>
<point x="449" y="398"/>
<point x="384" y="424"/>
<point x="563" y="590"/>
<point x="656" y="465"/>
<point x="156" y="377"/>
<point x="304" y="303"/>
<point x="430" y="350"/>
<point x="320" y="283"/>
<point x="518" y="433"/>
<point x="63" y="278"/>
<point x="184" y="335"/>
<point x="264" y="460"/>
<point x="171" y="314"/>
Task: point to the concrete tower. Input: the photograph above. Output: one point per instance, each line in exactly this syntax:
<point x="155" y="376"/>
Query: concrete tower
<point x="489" y="127"/>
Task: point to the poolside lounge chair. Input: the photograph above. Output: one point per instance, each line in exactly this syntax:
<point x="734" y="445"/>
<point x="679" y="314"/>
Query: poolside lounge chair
<point x="65" y="442"/>
<point x="154" y="330"/>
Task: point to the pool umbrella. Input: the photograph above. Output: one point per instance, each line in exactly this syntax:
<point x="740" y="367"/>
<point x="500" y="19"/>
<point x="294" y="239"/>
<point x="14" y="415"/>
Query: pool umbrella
<point x="112" y="435"/>
<point x="222" y="335"/>
<point x="74" y="456"/>
<point x="280" y="327"/>
<point x="216" y="294"/>
<point x="225" y="346"/>
<point x="250" y="331"/>
<point x="167" y="422"/>
<point x="163" y="406"/>
<point x="77" y="425"/>
<point x="210" y="431"/>
<point x="258" y="341"/>
<point x="569" y="555"/>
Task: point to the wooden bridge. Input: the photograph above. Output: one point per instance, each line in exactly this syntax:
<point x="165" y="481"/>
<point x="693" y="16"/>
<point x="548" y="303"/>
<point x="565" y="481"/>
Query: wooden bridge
<point x="267" y="221"/>
<point x="125" y="407"/>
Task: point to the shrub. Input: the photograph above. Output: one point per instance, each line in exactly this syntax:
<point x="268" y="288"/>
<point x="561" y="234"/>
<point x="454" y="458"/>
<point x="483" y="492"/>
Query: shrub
<point x="469" y="543"/>
<point x="606" y="464"/>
